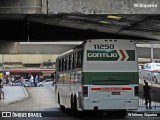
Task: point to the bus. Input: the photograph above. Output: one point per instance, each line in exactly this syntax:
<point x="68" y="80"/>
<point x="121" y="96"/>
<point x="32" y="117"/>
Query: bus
<point x="98" y="75"/>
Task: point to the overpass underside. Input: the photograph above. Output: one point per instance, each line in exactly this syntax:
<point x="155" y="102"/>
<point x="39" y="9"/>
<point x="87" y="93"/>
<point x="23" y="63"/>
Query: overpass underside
<point x="76" y="20"/>
<point x="78" y="6"/>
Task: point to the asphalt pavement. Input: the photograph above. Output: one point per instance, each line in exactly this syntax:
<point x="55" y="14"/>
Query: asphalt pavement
<point x="13" y="94"/>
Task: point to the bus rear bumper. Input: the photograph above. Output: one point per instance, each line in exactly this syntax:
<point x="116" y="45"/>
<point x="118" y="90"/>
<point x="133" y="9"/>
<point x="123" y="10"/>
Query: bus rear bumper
<point x="111" y="105"/>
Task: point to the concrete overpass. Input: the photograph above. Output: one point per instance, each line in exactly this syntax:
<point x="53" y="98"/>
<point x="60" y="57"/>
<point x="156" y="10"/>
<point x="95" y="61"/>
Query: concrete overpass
<point x="79" y="6"/>
<point x="77" y="20"/>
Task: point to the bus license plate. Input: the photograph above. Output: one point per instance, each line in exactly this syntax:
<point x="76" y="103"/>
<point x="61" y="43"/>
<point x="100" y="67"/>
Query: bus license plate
<point x="116" y="93"/>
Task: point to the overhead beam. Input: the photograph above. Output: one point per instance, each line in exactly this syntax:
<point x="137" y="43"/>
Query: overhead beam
<point x="104" y="6"/>
<point x="23" y="6"/>
<point x="9" y="47"/>
<point x="79" y="6"/>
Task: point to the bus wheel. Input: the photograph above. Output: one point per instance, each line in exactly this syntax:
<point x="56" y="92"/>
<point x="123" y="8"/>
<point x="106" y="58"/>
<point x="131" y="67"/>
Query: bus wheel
<point x="73" y="106"/>
<point x="62" y="108"/>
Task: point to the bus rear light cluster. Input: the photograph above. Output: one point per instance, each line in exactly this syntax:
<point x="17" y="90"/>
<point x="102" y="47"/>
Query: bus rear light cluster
<point x="136" y="90"/>
<point x="85" y="91"/>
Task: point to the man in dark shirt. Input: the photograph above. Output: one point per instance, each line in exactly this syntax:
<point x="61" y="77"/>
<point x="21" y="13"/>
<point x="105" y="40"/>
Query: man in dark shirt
<point x="147" y="96"/>
<point x="53" y="78"/>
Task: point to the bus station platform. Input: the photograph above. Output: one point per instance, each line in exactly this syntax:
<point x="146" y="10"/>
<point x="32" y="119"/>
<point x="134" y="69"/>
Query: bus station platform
<point x="13" y="94"/>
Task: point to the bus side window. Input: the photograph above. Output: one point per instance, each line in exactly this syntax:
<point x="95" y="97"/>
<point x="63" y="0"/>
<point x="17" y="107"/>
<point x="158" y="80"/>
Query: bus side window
<point x="63" y="64"/>
<point x="77" y="65"/>
<point x="66" y="63"/>
<point x="69" y="62"/>
<point x="79" y="59"/>
<point x="73" y="61"/>
<point x="59" y="65"/>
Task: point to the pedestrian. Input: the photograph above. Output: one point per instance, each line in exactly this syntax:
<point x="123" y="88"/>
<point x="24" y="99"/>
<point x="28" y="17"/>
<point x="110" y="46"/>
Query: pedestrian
<point x="53" y="78"/>
<point x="31" y="80"/>
<point x="12" y="80"/>
<point x="36" y="80"/>
<point x="7" y="81"/>
<point x="22" y="81"/>
<point x="1" y="89"/>
<point x="146" y="89"/>
<point x="41" y="77"/>
<point x="144" y="84"/>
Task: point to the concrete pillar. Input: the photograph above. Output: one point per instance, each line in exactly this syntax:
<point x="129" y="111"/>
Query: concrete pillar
<point x="9" y="47"/>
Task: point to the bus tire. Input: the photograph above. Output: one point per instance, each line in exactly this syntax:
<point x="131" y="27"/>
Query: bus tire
<point x="73" y="106"/>
<point x="62" y="108"/>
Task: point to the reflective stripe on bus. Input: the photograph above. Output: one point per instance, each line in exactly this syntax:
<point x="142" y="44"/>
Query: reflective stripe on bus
<point x="110" y="89"/>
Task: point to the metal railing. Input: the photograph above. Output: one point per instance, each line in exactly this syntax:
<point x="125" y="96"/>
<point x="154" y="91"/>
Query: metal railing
<point x="155" y="99"/>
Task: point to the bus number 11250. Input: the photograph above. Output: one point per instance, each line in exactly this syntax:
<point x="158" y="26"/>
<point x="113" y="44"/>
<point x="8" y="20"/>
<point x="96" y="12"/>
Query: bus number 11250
<point x="103" y="46"/>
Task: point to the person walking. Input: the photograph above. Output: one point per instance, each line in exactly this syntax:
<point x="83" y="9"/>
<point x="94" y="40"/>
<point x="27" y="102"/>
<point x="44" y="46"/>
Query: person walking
<point x="31" y="81"/>
<point x="36" y="80"/>
<point x="53" y="78"/>
<point x="146" y="89"/>
<point x="12" y="80"/>
<point x="22" y="81"/>
<point x="1" y="89"/>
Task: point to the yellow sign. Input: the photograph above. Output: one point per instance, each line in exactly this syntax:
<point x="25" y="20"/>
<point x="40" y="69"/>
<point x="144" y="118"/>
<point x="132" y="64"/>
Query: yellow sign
<point x="1" y="75"/>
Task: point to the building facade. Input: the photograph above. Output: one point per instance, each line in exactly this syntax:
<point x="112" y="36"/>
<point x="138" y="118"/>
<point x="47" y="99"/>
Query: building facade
<point x="15" y="61"/>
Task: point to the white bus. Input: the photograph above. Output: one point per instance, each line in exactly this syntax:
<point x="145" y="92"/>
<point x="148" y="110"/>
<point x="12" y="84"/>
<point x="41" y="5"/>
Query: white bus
<point x="100" y="74"/>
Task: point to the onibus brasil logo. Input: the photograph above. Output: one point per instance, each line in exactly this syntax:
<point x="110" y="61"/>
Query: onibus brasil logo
<point x="111" y="55"/>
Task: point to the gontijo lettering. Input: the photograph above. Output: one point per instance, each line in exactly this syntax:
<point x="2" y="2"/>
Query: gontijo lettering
<point x="104" y="55"/>
<point x="110" y="55"/>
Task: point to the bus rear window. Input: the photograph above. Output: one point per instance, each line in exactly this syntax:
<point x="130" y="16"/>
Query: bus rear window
<point x="111" y="82"/>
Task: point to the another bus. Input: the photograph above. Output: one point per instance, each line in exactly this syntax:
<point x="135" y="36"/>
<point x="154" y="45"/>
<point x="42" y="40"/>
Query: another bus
<point x="100" y="74"/>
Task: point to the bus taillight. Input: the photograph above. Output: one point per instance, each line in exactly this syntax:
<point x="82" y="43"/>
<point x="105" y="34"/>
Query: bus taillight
<point x="85" y="91"/>
<point x="136" y="90"/>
